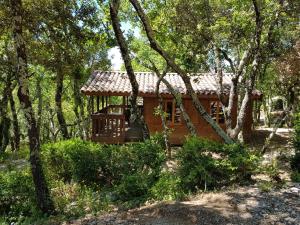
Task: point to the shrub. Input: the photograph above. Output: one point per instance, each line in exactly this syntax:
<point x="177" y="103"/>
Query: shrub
<point x="72" y="159"/>
<point x="167" y="187"/>
<point x="295" y="161"/>
<point x="296" y="139"/>
<point x="73" y="199"/>
<point x="295" y="176"/>
<point x="128" y="167"/>
<point x="133" y="186"/>
<point x="207" y="164"/>
<point x="17" y="198"/>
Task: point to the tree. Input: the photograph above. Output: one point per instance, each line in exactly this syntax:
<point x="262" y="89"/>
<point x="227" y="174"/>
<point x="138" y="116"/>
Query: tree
<point x="288" y="69"/>
<point x="155" y="46"/>
<point x="135" y="117"/>
<point x="44" y="201"/>
<point x="243" y="37"/>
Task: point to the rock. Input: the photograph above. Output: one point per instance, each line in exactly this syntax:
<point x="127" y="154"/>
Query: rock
<point x="290" y="220"/>
<point x="295" y="190"/>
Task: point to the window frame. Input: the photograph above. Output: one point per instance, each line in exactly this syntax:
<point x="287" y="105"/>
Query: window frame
<point x="218" y="111"/>
<point x="172" y="121"/>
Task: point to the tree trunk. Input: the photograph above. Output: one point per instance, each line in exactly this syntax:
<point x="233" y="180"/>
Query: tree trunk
<point x="155" y="46"/>
<point x="233" y="131"/>
<point x="44" y="201"/>
<point x="136" y="118"/>
<point x="178" y="99"/>
<point x="164" y="124"/>
<point x="87" y="122"/>
<point x="4" y="120"/>
<point x="78" y="105"/>
<point x="58" y="103"/>
<point x="162" y="115"/>
<point x="15" y="122"/>
<point x="40" y="104"/>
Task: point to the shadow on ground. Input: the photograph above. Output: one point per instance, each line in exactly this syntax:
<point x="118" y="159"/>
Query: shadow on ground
<point x="242" y="206"/>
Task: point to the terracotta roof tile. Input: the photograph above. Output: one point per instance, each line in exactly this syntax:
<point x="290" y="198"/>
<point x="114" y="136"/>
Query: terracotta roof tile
<point x="118" y="82"/>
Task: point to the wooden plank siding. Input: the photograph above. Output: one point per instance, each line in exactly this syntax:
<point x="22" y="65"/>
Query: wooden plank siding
<point x="177" y="137"/>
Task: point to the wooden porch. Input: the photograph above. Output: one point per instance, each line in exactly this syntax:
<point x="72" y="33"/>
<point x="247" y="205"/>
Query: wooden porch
<point x="110" y="122"/>
<point x="109" y="125"/>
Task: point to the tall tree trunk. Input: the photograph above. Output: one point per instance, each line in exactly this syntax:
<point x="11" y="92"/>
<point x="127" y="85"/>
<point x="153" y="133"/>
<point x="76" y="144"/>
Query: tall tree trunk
<point x="44" y="201"/>
<point x="15" y="122"/>
<point x="136" y="118"/>
<point x="162" y="115"/>
<point x="40" y="104"/>
<point x="78" y="105"/>
<point x="58" y="103"/>
<point x="4" y="119"/>
<point x="196" y="102"/>
<point x="87" y="119"/>
<point x="255" y="49"/>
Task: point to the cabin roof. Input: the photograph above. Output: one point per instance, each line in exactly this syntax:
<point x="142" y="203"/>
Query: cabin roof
<point x="117" y="83"/>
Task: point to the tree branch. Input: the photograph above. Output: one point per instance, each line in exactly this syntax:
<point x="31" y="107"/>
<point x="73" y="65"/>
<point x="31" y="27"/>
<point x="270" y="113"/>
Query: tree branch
<point x="186" y="79"/>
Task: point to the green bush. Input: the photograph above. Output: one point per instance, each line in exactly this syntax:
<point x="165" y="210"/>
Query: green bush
<point x="295" y="161"/>
<point x="296" y="139"/>
<point x="131" y="168"/>
<point x="72" y="159"/>
<point x="204" y="164"/>
<point x="73" y="200"/>
<point x="133" y="186"/>
<point x="17" y="196"/>
<point x="167" y="187"/>
<point x="295" y="176"/>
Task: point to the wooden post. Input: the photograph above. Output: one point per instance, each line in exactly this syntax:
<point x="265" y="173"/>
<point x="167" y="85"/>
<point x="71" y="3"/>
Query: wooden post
<point x="102" y="101"/>
<point x="105" y="101"/>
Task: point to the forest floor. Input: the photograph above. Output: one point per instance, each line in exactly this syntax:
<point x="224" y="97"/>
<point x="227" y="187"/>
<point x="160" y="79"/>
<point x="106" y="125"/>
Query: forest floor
<point x="258" y="203"/>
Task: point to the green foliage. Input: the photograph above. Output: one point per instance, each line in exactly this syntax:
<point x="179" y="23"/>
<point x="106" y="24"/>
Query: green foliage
<point x="296" y="139"/>
<point x="167" y="187"/>
<point x="205" y="164"/>
<point x="73" y="200"/>
<point x="8" y="156"/>
<point x="295" y="161"/>
<point x="17" y="198"/>
<point x="295" y="176"/>
<point x="131" y="168"/>
<point x="72" y="159"/>
<point x="265" y="186"/>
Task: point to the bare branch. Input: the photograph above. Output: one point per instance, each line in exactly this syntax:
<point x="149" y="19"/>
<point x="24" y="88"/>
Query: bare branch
<point x="229" y="60"/>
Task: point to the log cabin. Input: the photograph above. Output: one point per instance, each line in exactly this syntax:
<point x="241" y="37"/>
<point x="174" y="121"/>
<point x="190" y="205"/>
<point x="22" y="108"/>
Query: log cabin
<point x="109" y="92"/>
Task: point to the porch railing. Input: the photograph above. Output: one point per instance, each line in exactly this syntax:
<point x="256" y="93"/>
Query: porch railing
<point x="108" y="128"/>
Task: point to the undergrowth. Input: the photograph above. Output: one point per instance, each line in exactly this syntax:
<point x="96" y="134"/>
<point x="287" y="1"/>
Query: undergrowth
<point x="87" y="178"/>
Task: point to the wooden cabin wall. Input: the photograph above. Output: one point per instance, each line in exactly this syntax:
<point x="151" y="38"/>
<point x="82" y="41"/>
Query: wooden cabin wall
<point x="179" y="130"/>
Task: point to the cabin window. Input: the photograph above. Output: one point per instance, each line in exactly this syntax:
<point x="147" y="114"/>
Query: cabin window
<point x="173" y="112"/>
<point x="216" y="112"/>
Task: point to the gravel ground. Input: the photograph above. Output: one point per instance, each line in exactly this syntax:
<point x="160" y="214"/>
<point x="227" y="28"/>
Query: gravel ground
<point x="246" y="205"/>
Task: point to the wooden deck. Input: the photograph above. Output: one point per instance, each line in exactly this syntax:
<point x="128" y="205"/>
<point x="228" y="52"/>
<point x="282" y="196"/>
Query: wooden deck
<point x="109" y="124"/>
